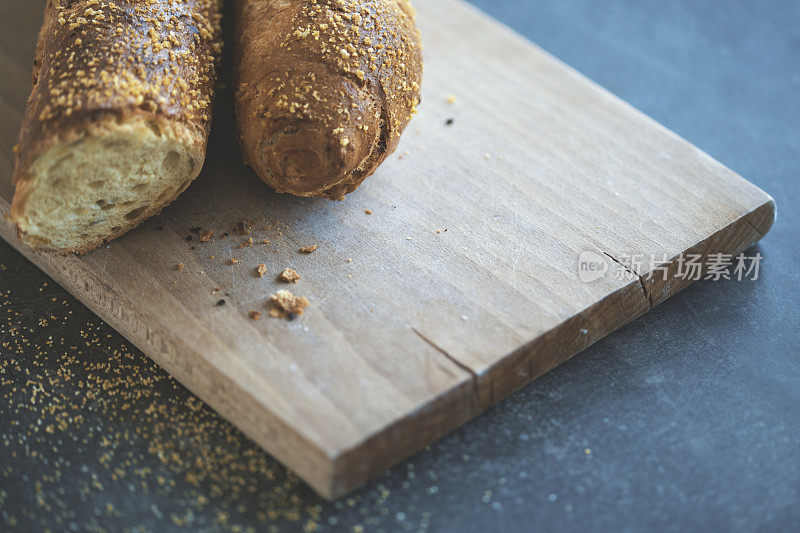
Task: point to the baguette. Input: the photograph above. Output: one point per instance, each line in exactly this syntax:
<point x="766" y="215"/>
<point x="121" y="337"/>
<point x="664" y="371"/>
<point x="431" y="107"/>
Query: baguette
<point x="118" y="118"/>
<point x="323" y="89"/>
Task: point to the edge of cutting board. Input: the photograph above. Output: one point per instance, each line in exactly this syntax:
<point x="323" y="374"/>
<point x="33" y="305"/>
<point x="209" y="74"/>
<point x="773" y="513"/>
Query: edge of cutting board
<point x="333" y="474"/>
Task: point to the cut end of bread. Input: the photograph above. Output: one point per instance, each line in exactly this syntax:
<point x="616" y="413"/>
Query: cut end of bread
<point x="93" y="186"/>
<point x="320" y="154"/>
<point x="303" y="161"/>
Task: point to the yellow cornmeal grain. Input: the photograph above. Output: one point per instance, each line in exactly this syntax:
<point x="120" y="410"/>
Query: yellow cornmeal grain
<point x="101" y="418"/>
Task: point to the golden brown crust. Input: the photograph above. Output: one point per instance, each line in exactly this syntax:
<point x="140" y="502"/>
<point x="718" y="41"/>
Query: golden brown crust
<point x="98" y="60"/>
<point x="324" y="89"/>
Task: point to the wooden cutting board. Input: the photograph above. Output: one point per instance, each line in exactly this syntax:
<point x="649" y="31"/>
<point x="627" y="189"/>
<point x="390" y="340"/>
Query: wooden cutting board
<point x="459" y="288"/>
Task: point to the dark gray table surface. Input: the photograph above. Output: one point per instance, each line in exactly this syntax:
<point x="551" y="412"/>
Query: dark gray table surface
<point x="689" y="418"/>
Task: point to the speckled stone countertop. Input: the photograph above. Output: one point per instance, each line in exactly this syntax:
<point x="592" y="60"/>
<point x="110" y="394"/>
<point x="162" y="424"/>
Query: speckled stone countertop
<point x="686" y="419"/>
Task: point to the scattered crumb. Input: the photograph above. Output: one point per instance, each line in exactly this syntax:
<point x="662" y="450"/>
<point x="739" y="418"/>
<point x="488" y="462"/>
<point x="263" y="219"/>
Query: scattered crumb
<point x="206" y="236"/>
<point x="287" y="305"/>
<point x="449" y="121"/>
<point x="180" y="266"/>
<point x="245" y="244"/>
<point x="244" y="227"/>
<point x="261" y="270"/>
<point x="368" y="211"/>
<point x="408" y="238"/>
<point x="451" y="99"/>
<point x="289" y="276"/>
<point x="220" y="303"/>
<point x="349" y="260"/>
<point x="255" y="315"/>
<point x="265" y="241"/>
<point x="308" y="249"/>
<point x="487" y="155"/>
<point x="234" y="261"/>
<point x="350" y="276"/>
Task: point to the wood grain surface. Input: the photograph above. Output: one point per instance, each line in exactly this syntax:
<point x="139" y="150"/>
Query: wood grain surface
<point x="459" y="288"/>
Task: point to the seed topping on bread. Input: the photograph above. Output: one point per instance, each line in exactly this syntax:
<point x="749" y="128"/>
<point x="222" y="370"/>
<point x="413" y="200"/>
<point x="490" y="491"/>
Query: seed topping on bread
<point x="136" y="54"/>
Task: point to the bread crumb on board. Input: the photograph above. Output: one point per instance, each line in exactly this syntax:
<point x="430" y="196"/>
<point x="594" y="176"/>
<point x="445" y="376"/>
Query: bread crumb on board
<point x="368" y="211"/>
<point x="287" y="305"/>
<point x="309" y="249"/>
<point x="206" y="236"/>
<point x="255" y="315"/>
<point x="180" y="266"/>
<point x="289" y="276"/>
<point x="233" y="261"/>
<point x="261" y="270"/>
<point x="244" y="227"/>
<point x="451" y="99"/>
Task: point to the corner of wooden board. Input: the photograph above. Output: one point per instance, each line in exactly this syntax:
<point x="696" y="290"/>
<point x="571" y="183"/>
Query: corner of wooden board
<point x="764" y="216"/>
<point x="358" y="464"/>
